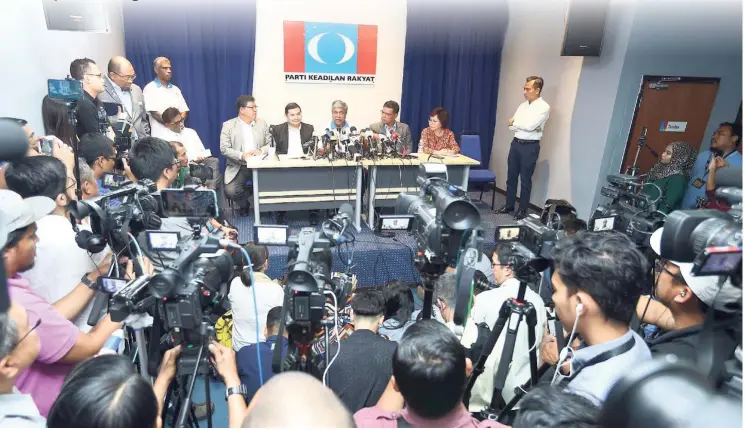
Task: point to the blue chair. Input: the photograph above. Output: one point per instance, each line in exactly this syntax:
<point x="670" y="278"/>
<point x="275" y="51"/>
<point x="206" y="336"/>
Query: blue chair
<point x="470" y="146"/>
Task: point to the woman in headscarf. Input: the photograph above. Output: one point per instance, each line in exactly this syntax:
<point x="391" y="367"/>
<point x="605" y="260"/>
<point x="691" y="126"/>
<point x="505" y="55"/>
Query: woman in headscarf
<point x="670" y="176"/>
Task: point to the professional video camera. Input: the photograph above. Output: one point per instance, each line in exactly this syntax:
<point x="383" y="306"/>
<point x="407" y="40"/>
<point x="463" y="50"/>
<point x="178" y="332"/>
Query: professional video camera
<point x="111" y="224"/>
<point x="630" y="211"/>
<point x="122" y="141"/>
<point x="201" y="172"/>
<point x="529" y="232"/>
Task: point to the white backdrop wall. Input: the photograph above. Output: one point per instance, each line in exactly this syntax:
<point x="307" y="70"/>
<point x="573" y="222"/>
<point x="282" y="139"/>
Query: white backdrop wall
<point x="364" y="101"/>
<point x="31" y="54"/>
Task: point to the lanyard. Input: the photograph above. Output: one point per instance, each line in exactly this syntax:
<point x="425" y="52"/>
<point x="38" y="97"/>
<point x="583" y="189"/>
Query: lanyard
<point x="605" y="356"/>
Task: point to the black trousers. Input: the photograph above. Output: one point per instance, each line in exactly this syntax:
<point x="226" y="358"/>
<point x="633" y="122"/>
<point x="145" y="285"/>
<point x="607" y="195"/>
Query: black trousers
<point x="236" y="191"/>
<point x="521" y="164"/>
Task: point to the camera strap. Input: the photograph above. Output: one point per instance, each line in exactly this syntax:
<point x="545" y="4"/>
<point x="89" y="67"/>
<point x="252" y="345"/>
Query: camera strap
<point x="578" y="365"/>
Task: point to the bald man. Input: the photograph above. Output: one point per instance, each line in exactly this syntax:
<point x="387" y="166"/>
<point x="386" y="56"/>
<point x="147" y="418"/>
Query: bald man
<point x="161" y="94"/>
<point x="119" y="88"/>
<point x="295" y="399"/>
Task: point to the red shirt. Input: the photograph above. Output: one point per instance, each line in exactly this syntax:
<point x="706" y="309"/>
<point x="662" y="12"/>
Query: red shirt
<point x="713" y="203"/>
<point x="376" y="417"/>
<point x="430" y="142"/>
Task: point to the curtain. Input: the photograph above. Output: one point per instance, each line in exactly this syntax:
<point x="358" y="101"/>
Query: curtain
<point x="211" y="48"/>
<point x="452" y="60"/>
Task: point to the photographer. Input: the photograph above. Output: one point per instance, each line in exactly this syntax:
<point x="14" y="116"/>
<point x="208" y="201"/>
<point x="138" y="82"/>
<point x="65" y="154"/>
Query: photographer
<point x="19" y="346"/>
<point x="62" y="344"/>
<point x="363" y="349"/>
<point x="486" y="310"/>
<point x="91" y="115"/>
<point x="72" y="285"/>
<point x="399" y="305"/>
<point x="688" y="299"/>
<point x="597" y="280"/>
<point x="269" y="294"/>
<point x="88" y="182"/>
<point x="550" y="407"/>
<point x="99" y="153"/>
<point x="430" y="370"/>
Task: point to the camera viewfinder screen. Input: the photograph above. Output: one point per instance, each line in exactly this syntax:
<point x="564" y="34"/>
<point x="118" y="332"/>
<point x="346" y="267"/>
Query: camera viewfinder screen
<point x="720" y="263"/>
<point x="112" y="285"/>
<point x="604" y="224"/>
<point x="189" y="203"/>
<point x="508" y="233"/>
<point x="395" y="223"/>
<point x="270" y="235"/>
<point x="163" y="240"/>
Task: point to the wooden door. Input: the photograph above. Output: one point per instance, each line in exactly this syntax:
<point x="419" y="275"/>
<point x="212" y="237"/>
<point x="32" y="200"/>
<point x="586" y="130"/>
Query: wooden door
<point x="671" y="109"/>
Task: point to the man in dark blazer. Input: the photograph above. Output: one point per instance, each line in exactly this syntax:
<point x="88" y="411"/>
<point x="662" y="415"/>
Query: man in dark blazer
<point x="392" y="128"/>
<point x="290" y="136"/>
<point x="119" y="88"/>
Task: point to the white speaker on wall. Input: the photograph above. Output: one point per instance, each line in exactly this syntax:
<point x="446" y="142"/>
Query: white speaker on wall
<point x="76" y="15"/>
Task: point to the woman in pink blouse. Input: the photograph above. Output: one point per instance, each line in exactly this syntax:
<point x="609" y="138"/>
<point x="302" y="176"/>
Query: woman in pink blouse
<point x="437" y="138"/>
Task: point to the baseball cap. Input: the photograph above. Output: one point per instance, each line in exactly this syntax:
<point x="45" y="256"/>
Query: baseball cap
<point x="706" y="288"/>
<point x="17" y="212"/>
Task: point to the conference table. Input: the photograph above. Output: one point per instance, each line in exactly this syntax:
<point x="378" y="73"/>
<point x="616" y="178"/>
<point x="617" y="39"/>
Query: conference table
<point x="287" y="184"/>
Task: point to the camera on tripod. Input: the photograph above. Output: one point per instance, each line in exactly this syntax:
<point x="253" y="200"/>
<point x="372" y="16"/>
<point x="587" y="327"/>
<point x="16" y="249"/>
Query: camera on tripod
<point x="529" y="232"/>
<point x="630" y="211"/>
<point x="122" y="141"/>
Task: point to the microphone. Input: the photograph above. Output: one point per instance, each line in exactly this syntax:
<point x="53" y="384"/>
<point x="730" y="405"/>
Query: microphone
<point x="394" y="136"/>
<point x="729" y="177"/>
<point x="13" y="140"/>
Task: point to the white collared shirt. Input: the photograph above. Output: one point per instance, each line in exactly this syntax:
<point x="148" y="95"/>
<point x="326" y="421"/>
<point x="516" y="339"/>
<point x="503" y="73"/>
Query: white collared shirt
<point x="529" y="117"/>
<point x="158" y="98"/>
<point x="268" y="295"/>
<point x="249" y="143"/>
<point x="188" y="137"/>
<point x="294" y="144"/>
<point x="60" y="263"/>
<point x="486" y="310"/>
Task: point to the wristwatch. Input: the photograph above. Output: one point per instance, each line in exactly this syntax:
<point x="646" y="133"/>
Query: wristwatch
<point x="236" y="389"/>
<point x="88" y="283"/>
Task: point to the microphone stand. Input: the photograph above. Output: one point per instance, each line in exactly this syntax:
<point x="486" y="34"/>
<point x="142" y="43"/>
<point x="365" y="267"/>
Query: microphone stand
<point x="641" y="143"/>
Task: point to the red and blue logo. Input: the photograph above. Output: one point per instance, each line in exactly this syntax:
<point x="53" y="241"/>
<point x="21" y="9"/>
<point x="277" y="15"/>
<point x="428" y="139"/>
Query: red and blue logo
<point x="320" y="47"/>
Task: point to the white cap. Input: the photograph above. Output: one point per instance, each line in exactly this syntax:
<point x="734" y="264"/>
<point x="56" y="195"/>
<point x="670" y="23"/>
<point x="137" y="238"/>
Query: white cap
<point x="17" y="212"/>
<point x="706" y="288"/>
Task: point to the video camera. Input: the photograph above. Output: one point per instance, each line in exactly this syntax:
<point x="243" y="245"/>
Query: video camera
<point x="630" y="212"/>
<point x="122" y="141"/>
<point x="201" y="172"/>
<point x="529" y="232"/>
<point x="136" y="212"/>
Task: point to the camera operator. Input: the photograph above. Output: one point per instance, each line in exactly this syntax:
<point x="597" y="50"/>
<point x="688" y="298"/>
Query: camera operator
<point x="430" y="370"/>
<point x="98" y="152"/>
<point x="486" y="310"/>
<point x="248" y="365"/>
<point x="63" y="273"/>
<point x="268" y="295"/>
<point x="687" y="299"/>
<point x="19" y="346"/>
<point x="62" y="344"/>
<point x="399" y="306"/>
<point x="107" y="392"/>
<point x="597" y="280"/>
<point x="363" y="349"/>
<point x="88" y="182"/>
<point x="91" y="115"/>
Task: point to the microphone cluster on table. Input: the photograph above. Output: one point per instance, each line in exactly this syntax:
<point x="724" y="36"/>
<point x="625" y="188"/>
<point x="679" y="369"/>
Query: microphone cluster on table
<point x="348" y="143"/>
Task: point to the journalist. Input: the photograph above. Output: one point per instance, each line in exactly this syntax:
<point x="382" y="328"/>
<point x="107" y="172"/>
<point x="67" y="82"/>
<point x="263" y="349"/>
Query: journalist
<point x="183" y="177"/>
<point x="597" y="281"/>
<point x="363" y="349"/>
<point x="88" y="182"/>
<point x="71" y="288"/>
<point x="399" y="305"/>
<point x="550" y="407"/>
<point x="54" y="113"/>
<point x="91" y="115"/>
<point x="62" y="344"/>
<point x="666" y="180"/>
<point x="430" y="370"/>
<point x="486" y="310"/>
<point x="19" y="346"/>
<point x="99" y="154"/>
<point x="107" y="392"/>
<point x="686" y="300"/>
<point x="269" y="294"/>
<point x="248" y="366"/>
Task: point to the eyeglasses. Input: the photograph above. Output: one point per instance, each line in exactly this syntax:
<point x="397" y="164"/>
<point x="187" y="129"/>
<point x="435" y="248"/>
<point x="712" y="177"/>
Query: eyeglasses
<point x="34" y="327"/>
<point x="387" y="113"/>
<point x="98" y="75"/>
<point x="179" y="121"/>
<point x="660" y="267"/>
<point x="251" y="107"/>
<point x="127" y="77"/>
<point x="71" y="183"/>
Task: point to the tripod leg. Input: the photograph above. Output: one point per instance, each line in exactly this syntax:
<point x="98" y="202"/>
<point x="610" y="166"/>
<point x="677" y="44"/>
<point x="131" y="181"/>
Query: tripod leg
<point x="208" y="396"/>
<point x="478" y="368"/>
<point x="531" y="321"/>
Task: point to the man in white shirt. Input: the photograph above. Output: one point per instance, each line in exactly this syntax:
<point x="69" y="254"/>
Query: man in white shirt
<point x="175" y="131"/>
<point x="241" y="138"/>
<point x="527" y="123"/>
<point x="486" y="310"/>
<point x="160" y="94"/>
<point x="269" y="294"/>
<point x="63" y="273"/>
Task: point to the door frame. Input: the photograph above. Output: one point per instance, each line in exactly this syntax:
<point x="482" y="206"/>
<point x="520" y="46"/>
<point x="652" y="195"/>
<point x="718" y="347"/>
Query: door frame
<point x="662" y="79"/>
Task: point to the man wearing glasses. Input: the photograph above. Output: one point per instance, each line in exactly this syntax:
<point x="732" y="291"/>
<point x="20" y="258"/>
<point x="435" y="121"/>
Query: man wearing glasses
<point x="160" y="94"/>
<point x="242" y="137"/>
<point x="91" y="114"/>
<point x="120" y="89"/>
<point x="394" y="130"/>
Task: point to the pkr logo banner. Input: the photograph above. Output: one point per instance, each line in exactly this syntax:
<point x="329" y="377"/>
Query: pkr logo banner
<point x="319" y="52"/>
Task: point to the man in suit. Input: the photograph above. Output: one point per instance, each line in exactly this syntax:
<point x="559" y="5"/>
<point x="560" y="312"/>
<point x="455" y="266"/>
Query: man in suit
<point x="396" y="131"/>
<point x="242" y="137"/>
<point x="290" y="136"/>
<point x="119" y="88"/>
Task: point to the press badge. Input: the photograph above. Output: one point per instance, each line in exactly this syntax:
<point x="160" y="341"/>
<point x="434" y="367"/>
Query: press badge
<point x="698" y="183"/>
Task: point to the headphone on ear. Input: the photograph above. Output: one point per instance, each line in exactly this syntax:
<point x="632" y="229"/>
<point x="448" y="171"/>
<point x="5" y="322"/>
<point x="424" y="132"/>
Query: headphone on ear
<point x="682" y="293"/>
<point x="580" y="307"/>
<point x="93" y="243"/>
